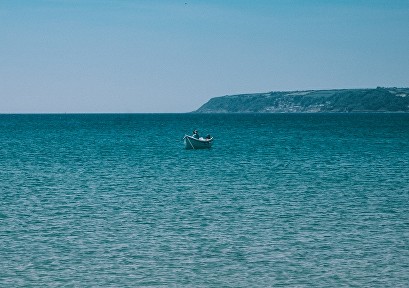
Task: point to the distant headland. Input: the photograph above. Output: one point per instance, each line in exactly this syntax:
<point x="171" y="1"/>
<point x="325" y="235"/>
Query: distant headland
<point x="379" y="99"/>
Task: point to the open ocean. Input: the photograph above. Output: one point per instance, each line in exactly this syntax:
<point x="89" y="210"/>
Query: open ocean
<point x="114" y="200"/>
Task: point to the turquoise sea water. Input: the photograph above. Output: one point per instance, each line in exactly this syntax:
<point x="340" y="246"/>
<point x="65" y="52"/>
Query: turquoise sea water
<point x="305" y="200"/>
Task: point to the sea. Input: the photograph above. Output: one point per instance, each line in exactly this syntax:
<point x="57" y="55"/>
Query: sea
<point x="280" y="200"/>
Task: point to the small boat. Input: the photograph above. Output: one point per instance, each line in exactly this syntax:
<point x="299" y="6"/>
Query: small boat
<point x="194" y="143"/>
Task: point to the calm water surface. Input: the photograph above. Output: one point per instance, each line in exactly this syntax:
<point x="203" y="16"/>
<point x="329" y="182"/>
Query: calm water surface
<point x="305" y="200"/>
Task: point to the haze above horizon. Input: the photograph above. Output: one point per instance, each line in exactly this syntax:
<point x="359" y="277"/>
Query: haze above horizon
<point x="89" y="56"/>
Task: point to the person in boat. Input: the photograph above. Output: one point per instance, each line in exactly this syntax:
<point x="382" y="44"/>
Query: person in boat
<point x="195" y="134"/>
<point x="208" y="137"/>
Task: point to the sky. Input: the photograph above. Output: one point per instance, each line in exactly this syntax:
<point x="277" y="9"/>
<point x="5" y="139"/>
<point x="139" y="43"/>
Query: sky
<point x="123" y="56"/>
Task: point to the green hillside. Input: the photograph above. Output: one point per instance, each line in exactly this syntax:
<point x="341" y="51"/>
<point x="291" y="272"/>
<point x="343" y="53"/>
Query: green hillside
<point x="341" y="100"/>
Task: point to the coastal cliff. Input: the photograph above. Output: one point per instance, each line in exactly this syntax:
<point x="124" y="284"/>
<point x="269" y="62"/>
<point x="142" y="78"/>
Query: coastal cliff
<point x="310" y="101"/>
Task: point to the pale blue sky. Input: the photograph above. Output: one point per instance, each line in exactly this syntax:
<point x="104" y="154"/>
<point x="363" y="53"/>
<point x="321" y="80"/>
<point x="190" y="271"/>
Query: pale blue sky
<point x="167" y="56"/>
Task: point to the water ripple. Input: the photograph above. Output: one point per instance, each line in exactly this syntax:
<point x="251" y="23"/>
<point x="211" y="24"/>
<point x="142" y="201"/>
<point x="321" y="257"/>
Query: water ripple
<point x="280" y="200"/>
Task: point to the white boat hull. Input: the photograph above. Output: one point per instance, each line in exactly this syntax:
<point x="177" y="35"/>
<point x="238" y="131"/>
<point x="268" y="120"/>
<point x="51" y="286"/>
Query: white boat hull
<point x="193" y="143"/>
